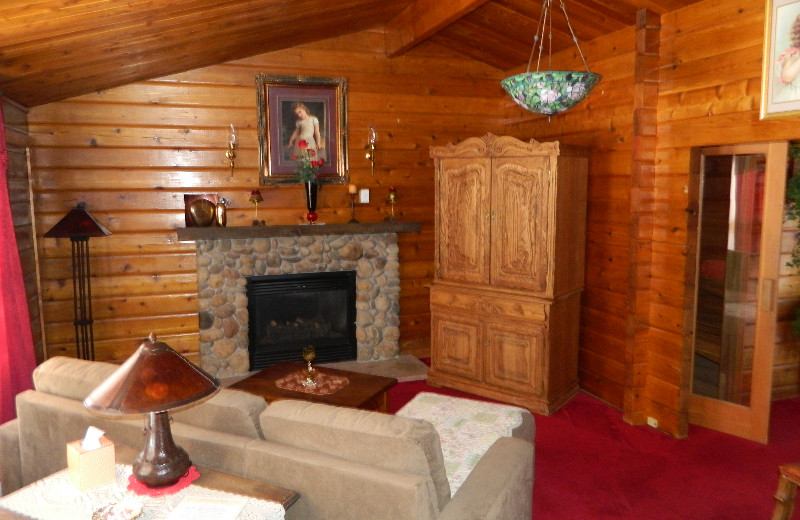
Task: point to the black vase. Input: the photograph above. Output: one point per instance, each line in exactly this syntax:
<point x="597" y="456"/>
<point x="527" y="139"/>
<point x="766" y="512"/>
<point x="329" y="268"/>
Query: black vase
<point x="311" y="201"/>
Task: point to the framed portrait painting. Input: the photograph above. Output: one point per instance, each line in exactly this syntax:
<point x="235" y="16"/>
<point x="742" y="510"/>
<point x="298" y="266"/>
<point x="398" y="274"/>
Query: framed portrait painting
<point x="295" y="109"/>
<point x="780" y="79"/>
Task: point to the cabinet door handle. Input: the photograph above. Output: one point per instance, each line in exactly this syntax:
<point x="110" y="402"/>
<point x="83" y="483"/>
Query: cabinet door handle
<point x="490" y="214"/>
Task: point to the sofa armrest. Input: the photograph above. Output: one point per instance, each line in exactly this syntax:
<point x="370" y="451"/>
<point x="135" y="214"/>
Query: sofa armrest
<point x="499" y="487"/>
<point x="10" y="460"/>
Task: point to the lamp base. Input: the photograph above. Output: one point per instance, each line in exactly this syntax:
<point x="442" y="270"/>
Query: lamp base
<point x="161" y="462"/>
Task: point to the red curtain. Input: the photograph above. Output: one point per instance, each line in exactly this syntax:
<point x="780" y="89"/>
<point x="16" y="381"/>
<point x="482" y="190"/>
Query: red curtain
<point x="17" y="359"/>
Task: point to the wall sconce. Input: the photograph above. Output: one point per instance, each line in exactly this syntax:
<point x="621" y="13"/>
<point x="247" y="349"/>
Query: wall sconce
<point x="233" y="143"/>
<point x="372" y="139"/>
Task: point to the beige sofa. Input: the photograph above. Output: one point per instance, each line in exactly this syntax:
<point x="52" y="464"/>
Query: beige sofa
<point x="345" y="463"/>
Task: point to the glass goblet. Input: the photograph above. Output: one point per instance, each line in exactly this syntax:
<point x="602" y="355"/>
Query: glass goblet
<point x="309" y="353"/>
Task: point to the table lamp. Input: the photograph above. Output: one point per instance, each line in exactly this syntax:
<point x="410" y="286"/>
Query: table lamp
<point x="152" y="381"/>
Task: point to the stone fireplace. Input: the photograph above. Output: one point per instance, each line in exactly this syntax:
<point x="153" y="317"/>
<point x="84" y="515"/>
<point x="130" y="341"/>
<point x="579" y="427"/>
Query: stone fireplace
<point x="227" y="256"/>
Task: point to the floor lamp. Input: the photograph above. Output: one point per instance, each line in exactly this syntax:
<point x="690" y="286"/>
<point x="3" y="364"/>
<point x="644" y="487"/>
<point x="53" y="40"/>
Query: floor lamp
<point x="78" y="225"/>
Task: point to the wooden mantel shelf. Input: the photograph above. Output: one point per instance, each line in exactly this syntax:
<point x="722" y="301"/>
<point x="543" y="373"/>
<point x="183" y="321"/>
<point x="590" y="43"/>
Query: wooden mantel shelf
<point x="222" y="233"/>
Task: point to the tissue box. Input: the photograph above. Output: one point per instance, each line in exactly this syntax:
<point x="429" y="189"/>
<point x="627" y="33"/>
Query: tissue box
<point x="91" y="468"/>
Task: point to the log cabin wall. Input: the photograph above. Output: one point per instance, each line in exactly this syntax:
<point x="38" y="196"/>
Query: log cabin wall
<point x="132" y="152"/>
<point x="603" y="124"/>
<point x="709" y="83"/>
<point x="15" y="119"/>
<point x="709" y="94"/>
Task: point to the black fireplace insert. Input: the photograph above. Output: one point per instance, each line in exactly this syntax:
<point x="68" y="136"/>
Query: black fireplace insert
<point x="290" y="311"/>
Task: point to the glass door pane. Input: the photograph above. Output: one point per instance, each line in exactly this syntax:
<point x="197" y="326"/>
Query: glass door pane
<point x="738" y="192"/>
<point x="730" y="226"/>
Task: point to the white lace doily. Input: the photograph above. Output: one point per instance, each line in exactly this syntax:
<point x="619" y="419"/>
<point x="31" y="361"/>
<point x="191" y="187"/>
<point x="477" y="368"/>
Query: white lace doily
<point x="56" y="497"/>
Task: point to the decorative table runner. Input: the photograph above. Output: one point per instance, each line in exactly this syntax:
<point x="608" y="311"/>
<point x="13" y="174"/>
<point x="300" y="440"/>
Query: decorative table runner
<point x="326" y="383"/>
<point x="466" y="428"/>
<point x="56" y="497"/>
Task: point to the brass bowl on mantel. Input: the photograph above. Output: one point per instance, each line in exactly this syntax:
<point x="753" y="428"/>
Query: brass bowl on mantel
<point x="203" y="212"/>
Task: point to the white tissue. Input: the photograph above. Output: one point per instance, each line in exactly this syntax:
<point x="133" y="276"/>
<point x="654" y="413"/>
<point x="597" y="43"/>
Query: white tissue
<point x="92" y="439"/>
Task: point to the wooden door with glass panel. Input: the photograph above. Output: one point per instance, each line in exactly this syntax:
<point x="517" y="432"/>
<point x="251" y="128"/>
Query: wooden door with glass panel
<point x="738" y="192"/>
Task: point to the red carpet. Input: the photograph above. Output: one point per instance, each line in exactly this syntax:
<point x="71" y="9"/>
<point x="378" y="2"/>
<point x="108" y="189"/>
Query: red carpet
<point x="590" y="465"/>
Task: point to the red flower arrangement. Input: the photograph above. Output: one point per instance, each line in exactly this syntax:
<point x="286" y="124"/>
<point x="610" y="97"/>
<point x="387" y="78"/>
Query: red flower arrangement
<point x="307" y="164"/>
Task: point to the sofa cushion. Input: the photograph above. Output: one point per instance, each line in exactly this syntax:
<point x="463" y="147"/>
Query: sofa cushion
<point x="70" y="377"/>
<point x="229" y="411"/>
<point x="376" y="439"/>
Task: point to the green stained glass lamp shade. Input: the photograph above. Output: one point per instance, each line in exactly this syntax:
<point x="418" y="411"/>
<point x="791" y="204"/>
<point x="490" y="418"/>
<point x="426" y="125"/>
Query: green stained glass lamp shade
<point x="550" y="92"/>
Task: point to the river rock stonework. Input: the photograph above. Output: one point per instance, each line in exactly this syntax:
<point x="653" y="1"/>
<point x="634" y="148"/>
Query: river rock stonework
<point x="224" y="264"/>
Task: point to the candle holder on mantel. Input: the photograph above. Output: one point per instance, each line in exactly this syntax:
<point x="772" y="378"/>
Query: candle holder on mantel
<point x="256" y="198"/>
<point x="391" y="200"/>
<point x="352" y="189"/>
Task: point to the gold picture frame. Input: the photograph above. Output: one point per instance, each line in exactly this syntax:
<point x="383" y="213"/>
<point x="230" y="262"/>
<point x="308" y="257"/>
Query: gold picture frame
<point x="278" y="99"/>
<point x="780" y="77"/>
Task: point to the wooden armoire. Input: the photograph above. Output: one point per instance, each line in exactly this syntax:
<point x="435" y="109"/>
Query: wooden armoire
<point x="505" y="301"/>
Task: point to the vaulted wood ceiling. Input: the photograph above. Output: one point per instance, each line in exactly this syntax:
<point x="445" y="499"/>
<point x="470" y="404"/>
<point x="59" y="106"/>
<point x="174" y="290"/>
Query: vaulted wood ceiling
<point x="56" y="49"/>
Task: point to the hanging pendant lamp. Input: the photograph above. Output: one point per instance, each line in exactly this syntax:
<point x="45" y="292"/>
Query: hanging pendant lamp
<point x="550" y="92"/>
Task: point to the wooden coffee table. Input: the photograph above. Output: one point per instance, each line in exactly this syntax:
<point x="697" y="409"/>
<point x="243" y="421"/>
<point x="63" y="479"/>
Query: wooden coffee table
<point x="364" y="391"/>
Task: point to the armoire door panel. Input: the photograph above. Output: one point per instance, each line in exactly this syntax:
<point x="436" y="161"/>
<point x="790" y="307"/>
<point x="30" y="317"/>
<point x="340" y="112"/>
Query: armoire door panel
<point x="519" y="232"/>
<point x="457" y="341"/>
<point x="515" y="356"/>
<point x="463" y="223"/>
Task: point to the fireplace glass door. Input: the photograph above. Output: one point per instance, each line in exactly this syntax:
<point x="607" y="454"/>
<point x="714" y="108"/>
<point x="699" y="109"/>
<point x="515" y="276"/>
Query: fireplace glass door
<point x="289" y="312"/>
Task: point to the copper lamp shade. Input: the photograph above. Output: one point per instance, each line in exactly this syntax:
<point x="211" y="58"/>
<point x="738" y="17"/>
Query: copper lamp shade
<point x="152" y="381"/>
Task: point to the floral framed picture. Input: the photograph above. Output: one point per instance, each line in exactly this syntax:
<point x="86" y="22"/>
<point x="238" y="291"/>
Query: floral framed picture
<point x="780" y="79"/>
<point x="297" y="116"/>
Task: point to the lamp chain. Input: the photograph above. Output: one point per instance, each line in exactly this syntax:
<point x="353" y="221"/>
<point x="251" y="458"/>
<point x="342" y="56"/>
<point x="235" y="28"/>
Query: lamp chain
<point x="574" y="38"/>
<point x="539" y="36"/>
<point x="545" y="22"/>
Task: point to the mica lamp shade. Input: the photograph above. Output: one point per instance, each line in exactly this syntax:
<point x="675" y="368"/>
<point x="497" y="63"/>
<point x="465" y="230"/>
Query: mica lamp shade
<point x="153" y="380"/>
<point x="550" y="92"/>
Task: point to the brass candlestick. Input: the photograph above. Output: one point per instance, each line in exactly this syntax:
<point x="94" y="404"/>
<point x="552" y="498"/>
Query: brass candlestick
<point x="352" y="189"/>
<point x="391" y="199"/>
<point x="353" y="209"/>
<point x="256" y="198"/>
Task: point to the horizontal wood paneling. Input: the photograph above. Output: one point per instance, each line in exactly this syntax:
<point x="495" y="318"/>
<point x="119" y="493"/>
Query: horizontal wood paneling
<point x="132" y="152"/>
<point x="710" y="93"/>
<point x="603" y="123"/>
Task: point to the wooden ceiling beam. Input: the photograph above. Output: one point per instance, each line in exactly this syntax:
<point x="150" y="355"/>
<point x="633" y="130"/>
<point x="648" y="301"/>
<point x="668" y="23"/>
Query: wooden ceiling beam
<point x="422" y="19"/>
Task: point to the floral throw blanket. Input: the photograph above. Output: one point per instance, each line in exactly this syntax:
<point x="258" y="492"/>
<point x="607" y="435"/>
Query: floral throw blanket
<point x="466" y="428"/>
